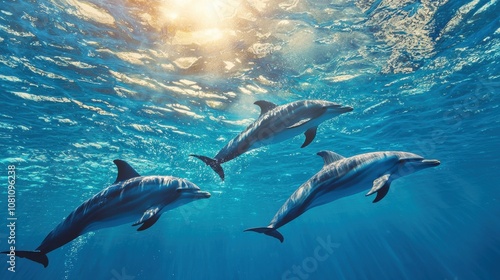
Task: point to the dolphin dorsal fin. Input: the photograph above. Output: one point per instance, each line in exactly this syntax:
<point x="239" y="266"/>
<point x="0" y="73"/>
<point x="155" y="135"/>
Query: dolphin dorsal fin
<point x="329" y="157"/>
<point x="125" y="171"/>
<point x="265" y="106"/>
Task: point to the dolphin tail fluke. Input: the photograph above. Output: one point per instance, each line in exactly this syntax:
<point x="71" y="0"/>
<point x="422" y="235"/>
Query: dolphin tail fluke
<point x="268" y="231"/>
<point x="35" y="256"/>
<point x="213" y="164"/>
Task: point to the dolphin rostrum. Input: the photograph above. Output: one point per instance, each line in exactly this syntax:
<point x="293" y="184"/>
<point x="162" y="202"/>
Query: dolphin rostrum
<point x="132" y="198"/>
<point x="276" y="124"/>
<point x="341" y="177"/>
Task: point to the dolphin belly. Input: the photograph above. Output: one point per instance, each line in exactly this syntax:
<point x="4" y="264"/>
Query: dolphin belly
<point x="278" y="137"/>
<point x="342" y="191"/>
<point x="260" y="136"/>
<point x="127" y="218"/>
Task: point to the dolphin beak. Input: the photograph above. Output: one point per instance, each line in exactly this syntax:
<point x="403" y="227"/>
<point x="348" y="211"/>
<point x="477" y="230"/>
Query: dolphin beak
<point x="431" y="162"/>
<point x="202" y="194"/>
<point x="339" y="109"/>
<point x="346" y="109"/>
<point x="194" y="194"/>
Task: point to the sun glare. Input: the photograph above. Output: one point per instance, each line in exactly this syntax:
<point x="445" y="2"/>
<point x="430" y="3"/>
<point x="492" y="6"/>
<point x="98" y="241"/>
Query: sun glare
<point x="198" y="14"/>
<point x="171" y="16"/>
<point x="201" y="22"/>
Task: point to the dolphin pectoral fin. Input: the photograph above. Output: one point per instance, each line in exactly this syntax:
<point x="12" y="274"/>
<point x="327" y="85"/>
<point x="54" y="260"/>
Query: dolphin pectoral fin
<point x="125" y="171"/>
<point x="149" y="222"/>
<point x="329" y="157"/>
<point x="299" y="123"/>
<point x="381" y="187"/>
<point x="378" y="184"/>
<point x="265" y="106"/>
<point x="35" y="256"/>
<point x="382" y="192"/>
<point x="213" y="164"/>
<point x="310" y="134"/>
<point x="148" y="219"/>
<point x="268" y="231"/>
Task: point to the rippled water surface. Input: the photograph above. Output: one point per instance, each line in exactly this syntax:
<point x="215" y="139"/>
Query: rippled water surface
<point x="85" y="82"/>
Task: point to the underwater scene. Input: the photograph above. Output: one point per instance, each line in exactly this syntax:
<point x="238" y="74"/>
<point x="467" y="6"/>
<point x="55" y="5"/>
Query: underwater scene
<point x="241" y="139"/>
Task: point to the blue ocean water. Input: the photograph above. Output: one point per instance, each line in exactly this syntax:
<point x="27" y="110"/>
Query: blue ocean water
<point x="150" y="82"/>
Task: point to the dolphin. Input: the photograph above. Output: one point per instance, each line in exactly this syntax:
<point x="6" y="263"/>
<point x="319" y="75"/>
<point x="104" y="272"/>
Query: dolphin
<point x="132" y="198"/>
<point x="276" y="124"/>
<point x="341" y="177"/>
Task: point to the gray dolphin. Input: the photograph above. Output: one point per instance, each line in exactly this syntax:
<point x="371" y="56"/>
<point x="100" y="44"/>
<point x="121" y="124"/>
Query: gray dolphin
<point x="132" y="198"/>
<point x="276" y="124"/>
<point x="341" y="177"/>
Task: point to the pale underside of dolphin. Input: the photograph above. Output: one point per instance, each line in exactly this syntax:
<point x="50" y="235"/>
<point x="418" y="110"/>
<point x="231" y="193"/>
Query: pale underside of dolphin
<point x="341" y="177"/>
<point x="276" y="124"/>
<point x="132" y="198"/>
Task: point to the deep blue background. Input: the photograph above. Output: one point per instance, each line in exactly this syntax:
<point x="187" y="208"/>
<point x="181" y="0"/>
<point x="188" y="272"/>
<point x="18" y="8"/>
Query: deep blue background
<point x="150" y="82"/>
